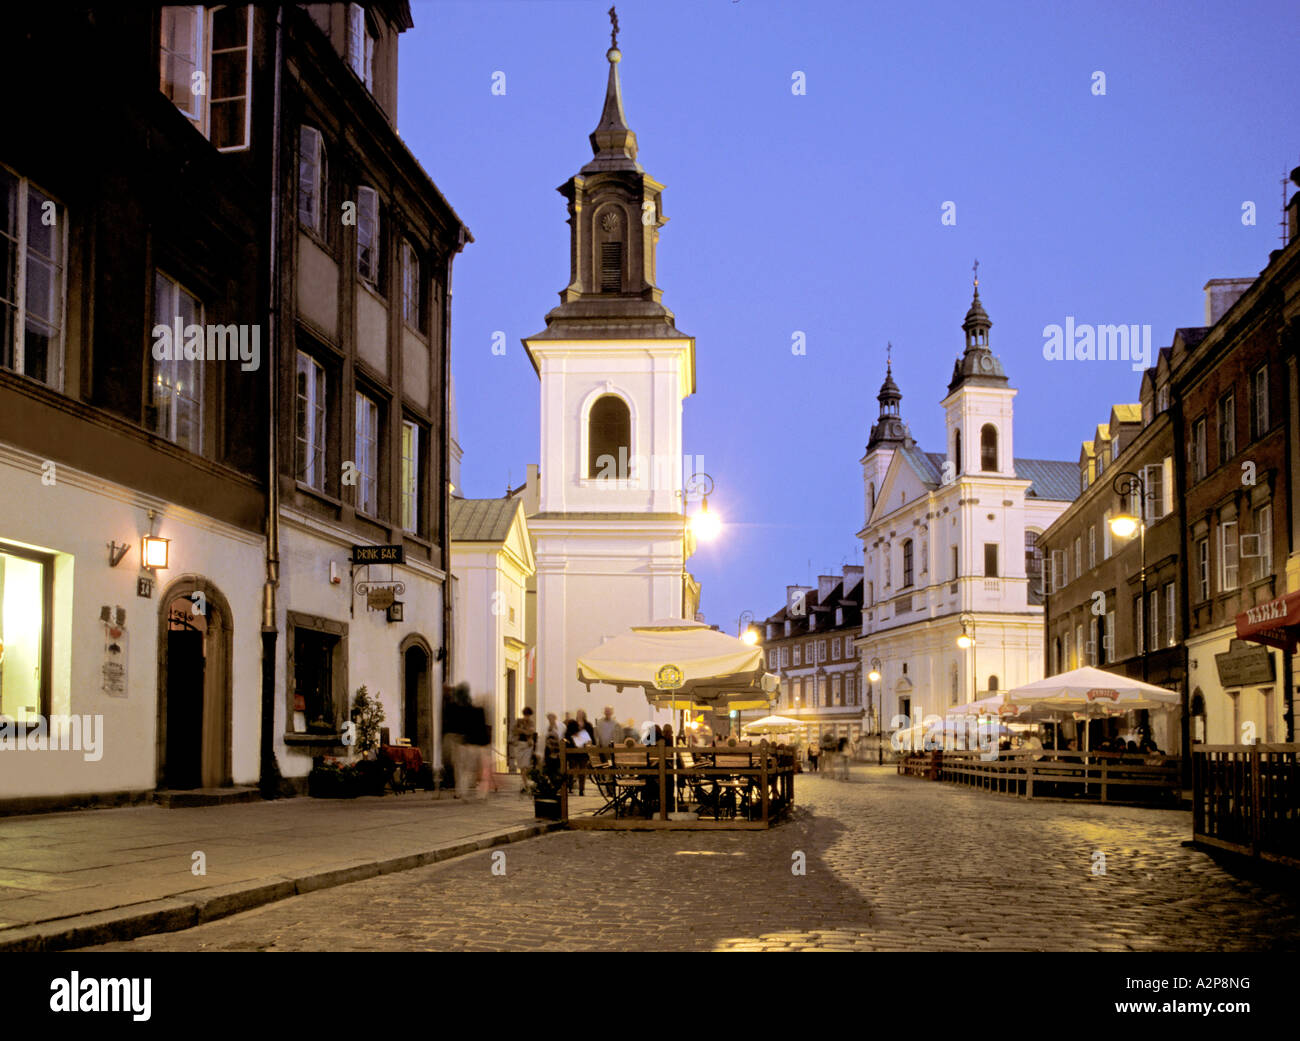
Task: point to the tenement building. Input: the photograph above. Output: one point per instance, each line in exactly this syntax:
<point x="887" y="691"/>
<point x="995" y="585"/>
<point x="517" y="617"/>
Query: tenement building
<point x="950" y="545"/>
<point x="808" y="643"/>
<point x="1107" y="604"/>
<point x="223" y="358"/>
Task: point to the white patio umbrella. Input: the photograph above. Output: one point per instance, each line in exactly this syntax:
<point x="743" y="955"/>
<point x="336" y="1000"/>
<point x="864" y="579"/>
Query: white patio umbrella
<point x="682" y="664"/>
<point x="772" y="725"/>
<point x="1086" y="689"/>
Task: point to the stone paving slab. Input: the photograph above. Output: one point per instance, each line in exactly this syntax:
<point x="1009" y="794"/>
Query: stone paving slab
<point x="91" y="876"/>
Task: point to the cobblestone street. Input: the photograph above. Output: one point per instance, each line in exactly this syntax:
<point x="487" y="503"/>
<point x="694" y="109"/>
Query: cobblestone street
<point x="892" y="864"/>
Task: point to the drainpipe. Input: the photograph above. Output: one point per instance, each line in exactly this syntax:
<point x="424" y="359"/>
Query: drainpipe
<point x="444" y="534"/>
<point x="269" y="772"/>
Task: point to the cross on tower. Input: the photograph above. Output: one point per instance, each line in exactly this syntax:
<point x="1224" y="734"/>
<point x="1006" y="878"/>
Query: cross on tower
<point x="889" y="350"/>
<point x="613" y="20"/>
<point x="976" y="268"/>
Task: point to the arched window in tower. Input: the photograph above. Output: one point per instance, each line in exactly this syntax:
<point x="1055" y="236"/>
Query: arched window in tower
<point x="993" y="684"/>
<point x="956" y="448"/>
<point x="907" y="563"/>
<point x="989" y="447"/>
<point x="609" y="438"/>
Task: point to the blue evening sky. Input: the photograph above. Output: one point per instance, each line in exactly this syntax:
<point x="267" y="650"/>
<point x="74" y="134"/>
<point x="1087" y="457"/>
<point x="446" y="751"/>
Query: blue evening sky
<point x="821" y="213"/>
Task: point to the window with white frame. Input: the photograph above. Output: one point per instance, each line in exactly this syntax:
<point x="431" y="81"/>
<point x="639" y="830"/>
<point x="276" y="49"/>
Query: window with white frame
<point x="1162" y="399"/>
<point x="1092" y="546"/>
<point x="1078" y="555"/>
<point x="1171" y="615"/>
<point x="1197" y="451"/>
<point x="835" y="647"/>
<point x="1139" y="626"/>
<point x="907" y="563"/>
<point x="1227" y="423"/>
<point x="367" y="455"/>
<point x="1105" y="536"/>
<point x="785" y="657"/>
<point x="771" y="658"/>
<point x="821" y="650"/>
<point x="837" y="690"/>
<point x="1228" y="550"/>
<point x="1153" y="477"/>
<point x="411" y="459"/>
<point x="309" y="425"/>
<point x="850" y="689"/>
<point x="797" y="653"/>
<point x="889" y="571"/>
<point x="1153" y="599"/>
<point x="1203" y="568"/>
<point x="361" y="46"/>
<point x="33" y="243"/>
<point x="313" y="179"/>
<point x="1108" y="639"/>
<point x="1264" y="532"/>
<point x="1259" y="402"/>
<point x="412" y="297"/>
<point x="1080" y="648"/>
<point x="1114" y="449"/>
<point x="175" y="406"/>
<point x="368" y="234"/>
<point x="206" y="72"/>
<point x="1093" y="647"/>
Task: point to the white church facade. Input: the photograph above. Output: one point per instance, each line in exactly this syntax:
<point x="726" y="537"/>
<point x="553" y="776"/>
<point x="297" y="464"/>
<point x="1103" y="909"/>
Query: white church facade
<point x="949" y="546"/>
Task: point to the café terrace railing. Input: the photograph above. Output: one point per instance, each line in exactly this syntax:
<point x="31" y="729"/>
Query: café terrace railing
<point x="1046" y="773"/>
<point x="767" y="781"/>
<point x="1246" y="798"/>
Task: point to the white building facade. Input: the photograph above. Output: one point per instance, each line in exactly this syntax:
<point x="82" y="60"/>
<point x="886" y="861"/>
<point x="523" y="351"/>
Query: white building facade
<point x="949" y="543"/>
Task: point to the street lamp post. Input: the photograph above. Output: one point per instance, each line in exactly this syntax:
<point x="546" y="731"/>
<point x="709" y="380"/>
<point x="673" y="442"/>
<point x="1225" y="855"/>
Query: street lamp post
<point x="874" y="677"/>
<point x="1128" y="484"/>
<point x="745" y="628"/>
<point x="967" y="639"/>
<point x="704" y="524"/>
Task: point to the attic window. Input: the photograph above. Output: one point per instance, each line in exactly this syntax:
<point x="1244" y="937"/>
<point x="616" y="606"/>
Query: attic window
<point x="611" y="267"/>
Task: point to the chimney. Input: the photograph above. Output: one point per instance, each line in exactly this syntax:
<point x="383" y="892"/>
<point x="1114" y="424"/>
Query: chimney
<point x="1221" y="294"/>
<point x="852" y="575"/>
<point x="825" y="583"/>
<point x="1293" y="210"/>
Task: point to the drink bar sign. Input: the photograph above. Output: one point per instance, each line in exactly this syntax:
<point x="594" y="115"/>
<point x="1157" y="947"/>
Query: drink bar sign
<point x="378" y="555"/>
<point x="380" y="596"/>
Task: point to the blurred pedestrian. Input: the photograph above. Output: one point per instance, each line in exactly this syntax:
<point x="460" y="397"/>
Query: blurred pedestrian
<point x="522" y="746"/>
<point x="608" y="730"/>
<point x="814" y="753"/>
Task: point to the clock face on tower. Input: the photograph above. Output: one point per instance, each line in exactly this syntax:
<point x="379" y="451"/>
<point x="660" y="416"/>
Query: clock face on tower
<point x="895" y="428"/>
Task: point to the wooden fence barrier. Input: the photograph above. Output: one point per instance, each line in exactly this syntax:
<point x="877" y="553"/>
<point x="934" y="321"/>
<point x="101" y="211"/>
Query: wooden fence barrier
<point x="1246" y="798"/>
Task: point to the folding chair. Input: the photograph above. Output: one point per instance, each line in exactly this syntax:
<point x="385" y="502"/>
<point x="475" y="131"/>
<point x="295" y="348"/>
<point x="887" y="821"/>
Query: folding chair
<point x="629" y="788"/>
<point x="603" y="778"/>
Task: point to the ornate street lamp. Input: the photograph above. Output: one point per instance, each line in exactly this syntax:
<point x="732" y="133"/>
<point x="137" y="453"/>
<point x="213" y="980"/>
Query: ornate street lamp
<point x="1129" y="486"/>
<point x="705" y="524"/>
<point x="874" y="677"/>
<point x="965" y="640"/>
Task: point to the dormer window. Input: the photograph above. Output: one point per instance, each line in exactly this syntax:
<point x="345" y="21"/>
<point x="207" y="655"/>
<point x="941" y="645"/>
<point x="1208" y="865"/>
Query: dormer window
<point x="1162" y="399"/>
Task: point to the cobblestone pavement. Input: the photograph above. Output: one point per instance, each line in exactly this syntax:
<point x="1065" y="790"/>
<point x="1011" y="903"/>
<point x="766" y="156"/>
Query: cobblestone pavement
<point x="892" y="864"/>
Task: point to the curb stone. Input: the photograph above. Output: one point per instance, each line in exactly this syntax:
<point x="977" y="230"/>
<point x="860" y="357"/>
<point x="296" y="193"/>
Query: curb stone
<point x="186" y="910"/>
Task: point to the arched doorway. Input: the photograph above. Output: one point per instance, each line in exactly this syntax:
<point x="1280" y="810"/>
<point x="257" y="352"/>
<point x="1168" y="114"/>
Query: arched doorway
<point x="417" y="703"/>
<point x="194" y="686"/>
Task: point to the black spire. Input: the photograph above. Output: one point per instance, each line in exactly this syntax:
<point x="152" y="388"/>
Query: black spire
<point x="978" y="363"/>
<point x="889" y="426"/>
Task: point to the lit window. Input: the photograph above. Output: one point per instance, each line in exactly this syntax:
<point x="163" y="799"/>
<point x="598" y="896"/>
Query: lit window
<point x="1264" y="529"/>
<point x="410" y="477"/>
<point x="309" y="425"/>
<point x="1171" y="614"/>
<point x="367" y="455"/>
<point x="175" y="406"/>
<point x="1203" y="567"/>
<point x="313" y="180"/>
<point x="33" y="241"/>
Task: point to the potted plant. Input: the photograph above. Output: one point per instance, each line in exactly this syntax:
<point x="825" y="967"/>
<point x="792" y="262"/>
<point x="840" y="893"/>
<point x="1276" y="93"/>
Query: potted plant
<point x="368" y="715"/>
<point x="545" y="787"/>
<point x="331" y="779"/>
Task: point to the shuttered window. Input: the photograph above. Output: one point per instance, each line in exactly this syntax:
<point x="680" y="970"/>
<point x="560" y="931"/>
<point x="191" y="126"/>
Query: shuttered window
<point x="611" y="267"/>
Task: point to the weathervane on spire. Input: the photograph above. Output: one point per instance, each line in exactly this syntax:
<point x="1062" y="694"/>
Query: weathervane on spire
<point x="613" y="20"/>
<point x="889" y="350"/>
<point x="976" y="268"/>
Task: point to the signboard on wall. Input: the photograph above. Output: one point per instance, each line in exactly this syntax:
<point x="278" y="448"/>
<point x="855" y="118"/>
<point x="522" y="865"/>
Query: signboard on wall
<point x="113" y="667"/>
<point x="1245" y="664"/>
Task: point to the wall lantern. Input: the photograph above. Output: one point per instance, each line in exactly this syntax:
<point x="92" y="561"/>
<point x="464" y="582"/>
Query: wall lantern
<point x="153" y="551"/>
<point x="395" y="611"/>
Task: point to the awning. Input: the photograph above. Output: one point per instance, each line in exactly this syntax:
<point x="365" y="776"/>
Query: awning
<point x="1275" y="623"/>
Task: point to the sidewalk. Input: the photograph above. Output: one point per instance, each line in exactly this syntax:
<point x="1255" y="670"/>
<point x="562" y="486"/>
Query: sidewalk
<point x="89" y="876"/>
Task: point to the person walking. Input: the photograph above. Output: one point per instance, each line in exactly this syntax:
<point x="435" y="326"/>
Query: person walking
<point x="814" y="753"/>
<point x="478" y="739"/>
